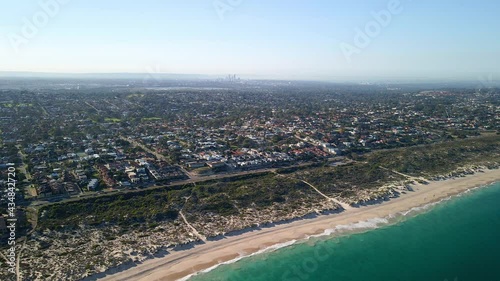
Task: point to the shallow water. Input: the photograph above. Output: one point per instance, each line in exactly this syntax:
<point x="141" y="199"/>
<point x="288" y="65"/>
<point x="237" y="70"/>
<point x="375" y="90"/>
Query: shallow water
<point x="458" y="239"/>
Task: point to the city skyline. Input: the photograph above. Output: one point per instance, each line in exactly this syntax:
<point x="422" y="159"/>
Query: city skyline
<point x="320" y="40"/>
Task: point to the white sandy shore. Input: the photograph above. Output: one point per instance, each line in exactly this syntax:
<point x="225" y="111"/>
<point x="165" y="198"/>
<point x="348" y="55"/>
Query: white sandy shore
<point x="179" y="264"/>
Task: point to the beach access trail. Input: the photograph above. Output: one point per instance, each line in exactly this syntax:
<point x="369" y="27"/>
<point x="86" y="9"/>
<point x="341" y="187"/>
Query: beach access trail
<point x="179" y="264"/>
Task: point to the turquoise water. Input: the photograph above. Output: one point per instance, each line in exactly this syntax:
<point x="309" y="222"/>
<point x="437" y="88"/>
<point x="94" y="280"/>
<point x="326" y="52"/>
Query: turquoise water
<point x="457" y="240"/>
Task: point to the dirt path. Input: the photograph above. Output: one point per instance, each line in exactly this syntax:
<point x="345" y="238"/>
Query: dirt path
<point x="344" y="205"/>
<point x="201" y="237"/>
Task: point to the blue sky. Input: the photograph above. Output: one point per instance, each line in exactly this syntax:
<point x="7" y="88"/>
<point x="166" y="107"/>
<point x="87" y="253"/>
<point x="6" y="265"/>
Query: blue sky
<point x="286" y="39"/>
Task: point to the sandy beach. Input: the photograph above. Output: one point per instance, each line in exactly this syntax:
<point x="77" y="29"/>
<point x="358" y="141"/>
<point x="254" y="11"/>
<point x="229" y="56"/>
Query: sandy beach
<point x="179" y="264"/>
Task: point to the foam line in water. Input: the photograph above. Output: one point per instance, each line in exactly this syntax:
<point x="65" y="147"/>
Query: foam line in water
<point x="265" y="250"/>
<point x="360" y="225"/>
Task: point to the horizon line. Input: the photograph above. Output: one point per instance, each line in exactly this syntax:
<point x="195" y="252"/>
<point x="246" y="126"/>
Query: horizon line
<point x="194" y="76"/>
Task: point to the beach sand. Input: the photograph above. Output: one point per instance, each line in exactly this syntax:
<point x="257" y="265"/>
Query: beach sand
<point x="180" y="264"/>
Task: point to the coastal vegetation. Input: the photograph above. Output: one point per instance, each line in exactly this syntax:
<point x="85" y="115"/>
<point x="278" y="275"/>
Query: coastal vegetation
<point x="111" y="230"/>
<point x="222" y="197"/>
<point x="439" y="158"/>
<point x="231" y="196"/>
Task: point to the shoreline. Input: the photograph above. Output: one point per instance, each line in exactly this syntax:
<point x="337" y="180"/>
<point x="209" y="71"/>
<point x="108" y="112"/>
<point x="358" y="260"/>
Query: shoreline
<point x="203" y="257"/>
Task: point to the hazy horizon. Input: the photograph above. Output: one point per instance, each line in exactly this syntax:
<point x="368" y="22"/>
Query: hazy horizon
<point x="293" y="40"/>
<point x="480" y="82"/>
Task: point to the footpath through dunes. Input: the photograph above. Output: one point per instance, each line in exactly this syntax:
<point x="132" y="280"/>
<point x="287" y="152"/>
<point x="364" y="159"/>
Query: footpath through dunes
<point x="180" y="264"/>
<point x="195" y="232"/>
<point x="345" y="206"/>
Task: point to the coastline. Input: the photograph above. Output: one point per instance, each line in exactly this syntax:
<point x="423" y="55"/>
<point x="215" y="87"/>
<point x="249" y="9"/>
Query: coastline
<point x="181" y="264"/>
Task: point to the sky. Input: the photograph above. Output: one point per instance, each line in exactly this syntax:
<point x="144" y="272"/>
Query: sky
<point x="276" y="39"/>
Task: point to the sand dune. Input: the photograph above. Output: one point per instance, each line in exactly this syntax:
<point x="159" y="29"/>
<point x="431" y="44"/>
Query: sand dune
<point x="180" y="264"/>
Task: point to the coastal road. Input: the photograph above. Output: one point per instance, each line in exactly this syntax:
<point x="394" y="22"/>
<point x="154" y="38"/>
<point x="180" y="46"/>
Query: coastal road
<point x="39" y="203"/>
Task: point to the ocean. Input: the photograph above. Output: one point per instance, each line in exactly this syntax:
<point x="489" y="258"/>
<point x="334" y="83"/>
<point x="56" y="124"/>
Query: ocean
<point x="455" y="240"/>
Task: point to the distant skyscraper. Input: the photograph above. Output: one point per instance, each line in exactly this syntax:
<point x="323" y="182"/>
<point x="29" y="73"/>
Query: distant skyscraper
<point x="232" y="78"/>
